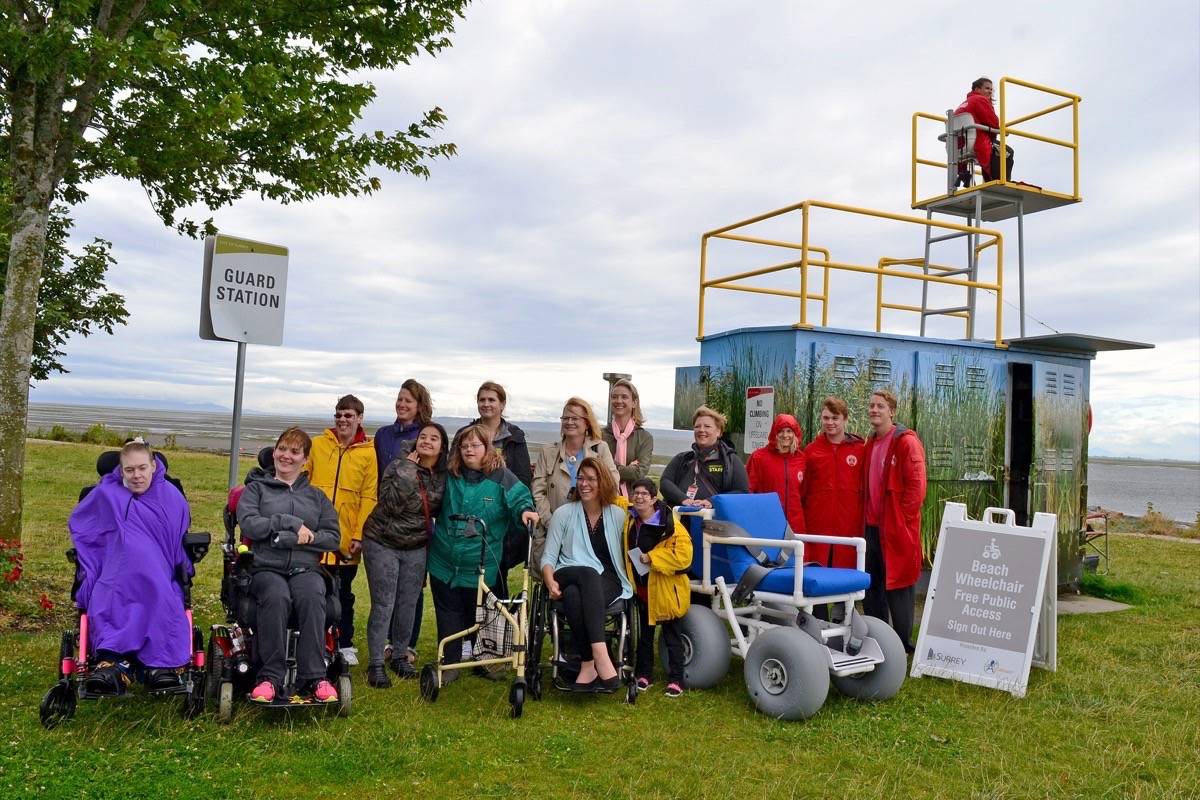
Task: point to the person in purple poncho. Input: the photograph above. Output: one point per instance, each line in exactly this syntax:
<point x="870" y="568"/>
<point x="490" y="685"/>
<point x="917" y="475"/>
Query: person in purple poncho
<point x="128" y="537"/>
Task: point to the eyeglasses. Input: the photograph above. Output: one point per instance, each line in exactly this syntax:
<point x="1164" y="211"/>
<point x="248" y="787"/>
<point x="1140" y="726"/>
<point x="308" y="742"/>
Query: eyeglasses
<point x="637" y="495"/>
<point x="570" y="419"/>
<point x="586" y="479"/>
<point x="344" y="415"/>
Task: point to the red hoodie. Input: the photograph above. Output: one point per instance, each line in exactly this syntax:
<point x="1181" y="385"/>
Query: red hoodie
<point x="783" y="473"/>
<point x="833" y="496"/>
<point x="980" y="107"/>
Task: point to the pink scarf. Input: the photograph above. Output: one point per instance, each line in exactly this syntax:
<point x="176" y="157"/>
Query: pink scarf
<point x="622" y="454"/>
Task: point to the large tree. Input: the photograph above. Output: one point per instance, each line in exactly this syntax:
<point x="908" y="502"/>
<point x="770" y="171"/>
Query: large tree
<point x="202" y="102"/>
<point x="72" y="297"/>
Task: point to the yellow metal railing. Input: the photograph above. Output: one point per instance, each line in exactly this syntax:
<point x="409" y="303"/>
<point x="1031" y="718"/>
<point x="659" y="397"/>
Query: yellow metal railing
<point x="884" y="268"/>
<point x="1008" y="128"/>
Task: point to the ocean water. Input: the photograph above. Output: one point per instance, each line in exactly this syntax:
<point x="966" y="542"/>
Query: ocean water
<point x="1125" y="487"/>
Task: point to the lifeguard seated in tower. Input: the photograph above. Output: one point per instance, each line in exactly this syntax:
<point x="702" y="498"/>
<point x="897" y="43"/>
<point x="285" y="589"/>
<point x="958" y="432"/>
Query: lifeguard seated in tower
<point x="979" y="105"/>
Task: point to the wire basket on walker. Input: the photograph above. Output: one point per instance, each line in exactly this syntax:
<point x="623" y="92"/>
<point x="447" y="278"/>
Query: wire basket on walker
<point x="501" y="629"/>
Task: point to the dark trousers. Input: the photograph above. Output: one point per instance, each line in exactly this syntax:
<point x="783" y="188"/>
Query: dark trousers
<point x="670" y="640"/>
<point x="276" y="596"/>
<point x="894" y="605"/>
<point x="416" y="629"/>
<point x="585" y="596"/>
<point x="994" y="167"/>
<point x="343" y="578"/>
<point x="455" y="611"/>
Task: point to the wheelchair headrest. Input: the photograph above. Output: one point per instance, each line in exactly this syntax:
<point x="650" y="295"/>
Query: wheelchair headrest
<point x="235" y="494"/>
<point x="107" y="461"/>
<point x="266" y="459"/>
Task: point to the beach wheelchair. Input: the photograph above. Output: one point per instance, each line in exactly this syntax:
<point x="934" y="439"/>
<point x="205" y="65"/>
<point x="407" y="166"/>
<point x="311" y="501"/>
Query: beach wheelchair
<point x="762" y="597"/>
<point x="231" y="658"/>
<point x="77" y="659"/>
<point x="501" y="630"/>
<point x="547" y="621"/>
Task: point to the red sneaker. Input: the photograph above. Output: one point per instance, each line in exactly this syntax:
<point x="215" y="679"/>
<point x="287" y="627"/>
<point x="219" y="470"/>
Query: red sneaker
<point x="263" y="693"/>
<point x="324" y="692"/>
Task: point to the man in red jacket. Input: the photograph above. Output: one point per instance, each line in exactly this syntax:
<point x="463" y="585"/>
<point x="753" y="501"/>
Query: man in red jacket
<point x="979" y="105"/>
<point x="895" y="489"/>
<point x="779" y="467"/>
<point x="833" y="484"/>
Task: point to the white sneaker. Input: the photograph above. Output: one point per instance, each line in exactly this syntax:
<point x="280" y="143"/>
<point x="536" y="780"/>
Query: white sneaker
<point x="467" y="650"/>
<point x="351" y="655"/>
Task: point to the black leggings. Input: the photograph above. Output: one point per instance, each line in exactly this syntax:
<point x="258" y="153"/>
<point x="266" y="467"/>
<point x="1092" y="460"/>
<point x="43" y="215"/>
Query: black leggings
<point x="455" y="611"/>
<point x="883" y="603"/>
<point x="585" y="596"/>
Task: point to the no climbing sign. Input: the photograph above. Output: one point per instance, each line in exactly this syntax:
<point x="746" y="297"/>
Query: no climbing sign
<point x="985" y="600"/>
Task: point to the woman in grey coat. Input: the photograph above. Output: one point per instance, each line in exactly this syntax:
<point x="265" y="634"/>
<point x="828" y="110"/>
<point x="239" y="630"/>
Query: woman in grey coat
<point x="289" y="523"/>
<point x="395" y="542"/>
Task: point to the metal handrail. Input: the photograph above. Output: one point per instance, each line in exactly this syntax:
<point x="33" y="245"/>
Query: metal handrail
<point x="881" y="270"/>
<point x="1008" y="128"/>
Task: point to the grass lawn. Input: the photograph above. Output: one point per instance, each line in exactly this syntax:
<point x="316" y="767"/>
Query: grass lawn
<point x="1120" y="718"/>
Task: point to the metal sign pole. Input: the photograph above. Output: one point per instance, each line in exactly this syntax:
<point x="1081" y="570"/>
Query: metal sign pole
<point x="236" y="433"/>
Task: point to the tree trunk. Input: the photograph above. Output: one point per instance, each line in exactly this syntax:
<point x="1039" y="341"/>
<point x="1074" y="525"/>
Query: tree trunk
<point x="16" y="348"/>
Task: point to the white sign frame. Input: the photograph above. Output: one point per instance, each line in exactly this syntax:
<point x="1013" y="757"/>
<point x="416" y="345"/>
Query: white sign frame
<point x="250" y="309"/>
<point x="760" y="408"/>
<point x="972" y="662"/>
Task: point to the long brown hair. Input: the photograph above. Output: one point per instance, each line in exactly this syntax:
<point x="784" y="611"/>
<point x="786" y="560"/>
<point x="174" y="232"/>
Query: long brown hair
<point x="606" y="487"/>
<point x="492" y="460"/>
<point x="421" y="395"/>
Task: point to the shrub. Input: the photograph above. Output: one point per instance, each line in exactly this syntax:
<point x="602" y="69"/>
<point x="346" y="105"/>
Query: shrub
<point x="1157" y="523"/>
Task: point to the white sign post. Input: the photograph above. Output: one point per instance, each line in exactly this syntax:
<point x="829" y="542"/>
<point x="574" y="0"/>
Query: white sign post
<point x="985" y="600"/>
<point x="760" y="413"/>
<point x="242" y="300"/>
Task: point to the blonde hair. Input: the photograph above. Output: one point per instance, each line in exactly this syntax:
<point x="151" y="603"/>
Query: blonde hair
<point x="888" y="398"/>
<point x="713" y="414"/>
<point x="638" y="419"/>
<point x="589" y="416"/>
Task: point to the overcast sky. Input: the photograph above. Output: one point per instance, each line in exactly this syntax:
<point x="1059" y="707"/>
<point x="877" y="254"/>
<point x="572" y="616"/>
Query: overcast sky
<point x="598" y="140"/>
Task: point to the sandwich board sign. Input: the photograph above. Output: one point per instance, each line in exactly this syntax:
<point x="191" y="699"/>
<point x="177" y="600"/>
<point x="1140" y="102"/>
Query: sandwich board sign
<point x="244" y="290"/>
<point x="986" y="599"/>
<point x="760" y="413"/>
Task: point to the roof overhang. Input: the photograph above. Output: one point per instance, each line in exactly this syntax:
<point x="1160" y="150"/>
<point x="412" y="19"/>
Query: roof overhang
<point x="1076" y="343"/>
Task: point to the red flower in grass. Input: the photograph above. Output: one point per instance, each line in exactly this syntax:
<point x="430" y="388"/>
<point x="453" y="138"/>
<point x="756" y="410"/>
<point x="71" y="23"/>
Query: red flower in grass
<point x="13" y="575"/>
<point x="45" y="602"/>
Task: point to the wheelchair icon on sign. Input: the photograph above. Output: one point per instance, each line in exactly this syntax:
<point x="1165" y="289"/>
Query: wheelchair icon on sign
<point x="991" y="550"/>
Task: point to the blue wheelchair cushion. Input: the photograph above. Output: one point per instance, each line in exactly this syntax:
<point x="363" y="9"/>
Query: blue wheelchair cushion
<point x="761" y="517"/>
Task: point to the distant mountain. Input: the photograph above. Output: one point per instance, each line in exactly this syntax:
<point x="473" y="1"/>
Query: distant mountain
<point x="149" y="403"/>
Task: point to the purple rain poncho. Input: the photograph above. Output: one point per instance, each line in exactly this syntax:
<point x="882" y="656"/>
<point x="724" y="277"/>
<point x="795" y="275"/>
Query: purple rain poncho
<point x="129" y="548"/>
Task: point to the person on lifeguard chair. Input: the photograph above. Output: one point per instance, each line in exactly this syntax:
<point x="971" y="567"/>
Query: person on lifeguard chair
<point x="979" y="105"/>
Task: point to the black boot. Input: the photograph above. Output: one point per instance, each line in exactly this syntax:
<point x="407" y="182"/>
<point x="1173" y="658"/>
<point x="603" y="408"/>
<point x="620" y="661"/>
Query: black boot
<point x="377" y="677"/>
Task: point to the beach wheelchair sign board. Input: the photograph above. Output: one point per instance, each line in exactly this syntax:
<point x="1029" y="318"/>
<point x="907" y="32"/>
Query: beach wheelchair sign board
<point x="244" y="291"/>
<point x="985" y="602"/>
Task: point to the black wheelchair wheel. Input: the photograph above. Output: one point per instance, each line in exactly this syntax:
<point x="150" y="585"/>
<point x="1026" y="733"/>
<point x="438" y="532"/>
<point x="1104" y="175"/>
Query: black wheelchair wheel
<point x="193" y="701"/>
<point x="631" y="694"/>
<point x="533" y="681"/>
<point x="214" y="661"/>
<point x="429" y="683"/>
<point x="58" y="704"/>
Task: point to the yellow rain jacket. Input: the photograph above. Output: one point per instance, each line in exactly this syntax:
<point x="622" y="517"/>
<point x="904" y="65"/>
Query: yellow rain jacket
<point x="668" y="594"/>
<point x="349" y="477"/>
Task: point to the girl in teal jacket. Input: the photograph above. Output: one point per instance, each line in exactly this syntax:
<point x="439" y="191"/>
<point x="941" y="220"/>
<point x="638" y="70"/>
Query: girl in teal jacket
<point x="478" y="485"/>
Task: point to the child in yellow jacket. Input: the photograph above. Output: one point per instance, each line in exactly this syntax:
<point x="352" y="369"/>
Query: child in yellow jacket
<point x="663" y="551"/>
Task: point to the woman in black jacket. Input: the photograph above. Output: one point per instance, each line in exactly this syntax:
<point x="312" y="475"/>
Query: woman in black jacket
<point x="395" y="543"/>
<point x="710" y="467"/>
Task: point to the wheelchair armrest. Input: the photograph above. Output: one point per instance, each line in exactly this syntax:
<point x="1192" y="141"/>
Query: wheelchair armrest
<point x="196" y="545"/>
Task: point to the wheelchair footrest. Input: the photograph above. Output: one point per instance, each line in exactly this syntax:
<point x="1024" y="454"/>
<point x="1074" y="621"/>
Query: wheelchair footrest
<point x="864" y="660"/>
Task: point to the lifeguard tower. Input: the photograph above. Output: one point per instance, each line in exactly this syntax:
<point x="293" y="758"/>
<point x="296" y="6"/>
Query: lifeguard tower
<point x="1004" y="419"/>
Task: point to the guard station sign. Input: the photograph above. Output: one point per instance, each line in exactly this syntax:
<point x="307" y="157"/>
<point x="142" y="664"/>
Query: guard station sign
<point x="244" y="292"/>
<point x="985" y="599"/>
